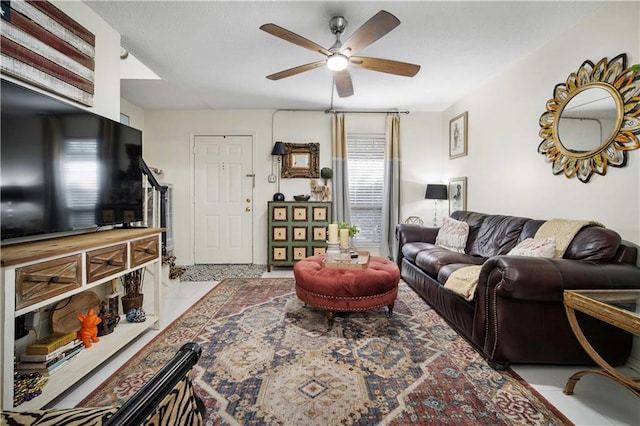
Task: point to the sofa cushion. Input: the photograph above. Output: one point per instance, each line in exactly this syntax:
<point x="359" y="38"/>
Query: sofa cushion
<point x="411" y="250"/>
<point x="453" y="235"/>
<point x="497" y="235"/>
<point x="536" y="247"/>
<point x="594" y="243"/>
<point x="529" y="229"/>
<point x="433" y="259"/>
<point x="474" y="219"/>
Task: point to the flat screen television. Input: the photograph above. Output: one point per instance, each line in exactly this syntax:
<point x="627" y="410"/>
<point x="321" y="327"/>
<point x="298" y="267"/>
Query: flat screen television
<point x="64" y="169"/>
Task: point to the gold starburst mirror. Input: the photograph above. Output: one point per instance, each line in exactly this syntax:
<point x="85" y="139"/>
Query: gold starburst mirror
<point x="592" y="120"/>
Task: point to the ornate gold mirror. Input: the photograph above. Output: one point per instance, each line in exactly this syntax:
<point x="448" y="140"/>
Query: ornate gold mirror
<point x="301" y="160"/>
<point x="592" y="120"/>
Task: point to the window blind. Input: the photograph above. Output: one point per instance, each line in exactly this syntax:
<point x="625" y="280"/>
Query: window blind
<point x="365" y="162"/>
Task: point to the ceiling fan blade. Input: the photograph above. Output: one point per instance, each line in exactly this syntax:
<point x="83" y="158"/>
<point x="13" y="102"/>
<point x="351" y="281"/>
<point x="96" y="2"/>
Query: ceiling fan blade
<point x="385" y="65"/>
<point x="375" y="28"/>
<point x="344" y="86"/>
<point x="294" y="38"/>
<point x="297" y="70"/>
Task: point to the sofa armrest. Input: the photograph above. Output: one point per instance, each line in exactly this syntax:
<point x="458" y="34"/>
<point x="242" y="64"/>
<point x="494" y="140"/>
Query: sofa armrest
<point x="411" y="233"/>
<point x="520" y="315"/>
<point x="168" y="396"/>
<point x="144" y="403"/>
<point x="544" y="280"/>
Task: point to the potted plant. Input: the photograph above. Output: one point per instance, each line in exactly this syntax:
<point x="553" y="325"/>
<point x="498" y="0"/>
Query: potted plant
<point x="353" y="230"/>
<point x="326" y="173"/>
<point x="132" y="283"/>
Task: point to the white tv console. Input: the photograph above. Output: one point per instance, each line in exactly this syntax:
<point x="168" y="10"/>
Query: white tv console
<point x="38" y="274"/>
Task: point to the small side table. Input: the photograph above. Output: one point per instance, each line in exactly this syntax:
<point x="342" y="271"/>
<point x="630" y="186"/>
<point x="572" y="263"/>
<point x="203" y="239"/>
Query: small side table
<point x="619" y="308"/>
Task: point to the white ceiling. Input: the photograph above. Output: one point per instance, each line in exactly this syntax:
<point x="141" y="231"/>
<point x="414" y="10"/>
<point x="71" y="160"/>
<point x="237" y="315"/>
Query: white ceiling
<point x="212" y="54"/>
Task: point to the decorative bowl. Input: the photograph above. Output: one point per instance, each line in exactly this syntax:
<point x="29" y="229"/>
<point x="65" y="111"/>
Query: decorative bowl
<point x="301" y="197"/>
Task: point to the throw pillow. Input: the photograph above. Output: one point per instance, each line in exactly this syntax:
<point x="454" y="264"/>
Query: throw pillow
<point x="453" y="235"/>
<point x="536" y="247"/>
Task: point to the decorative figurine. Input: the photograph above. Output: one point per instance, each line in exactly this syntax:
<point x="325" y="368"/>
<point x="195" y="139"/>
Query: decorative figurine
<point x="89" y="331"/>
<point x="108" y="320"/>
<point x="136" y="315"/>
<point x="320" y="192"/>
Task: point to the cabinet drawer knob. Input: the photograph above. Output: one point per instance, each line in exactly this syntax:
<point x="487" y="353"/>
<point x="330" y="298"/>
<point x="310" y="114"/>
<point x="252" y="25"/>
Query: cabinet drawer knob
<point x="54" y="279"/>
<point x="148" y="251"/>
<point x="110" y="262"/>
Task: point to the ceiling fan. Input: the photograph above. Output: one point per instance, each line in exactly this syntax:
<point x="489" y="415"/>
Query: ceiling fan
<point x="340" y="55"/>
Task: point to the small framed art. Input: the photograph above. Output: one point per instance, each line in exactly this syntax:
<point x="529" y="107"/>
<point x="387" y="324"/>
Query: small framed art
<point x="458" y="135"/>
<point x="457" y="194"/>
<point x="301" y="160"/>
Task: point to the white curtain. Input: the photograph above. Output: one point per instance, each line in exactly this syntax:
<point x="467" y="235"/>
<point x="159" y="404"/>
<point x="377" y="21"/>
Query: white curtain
<point x="391" y="191"/>
<point x="340" y="175"/>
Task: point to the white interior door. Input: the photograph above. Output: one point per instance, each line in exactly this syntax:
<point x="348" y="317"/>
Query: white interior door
<point x="223" y="191"/>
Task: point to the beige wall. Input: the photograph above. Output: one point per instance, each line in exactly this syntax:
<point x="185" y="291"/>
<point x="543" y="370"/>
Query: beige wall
<point x="505" y="172"/>
<point x="168" y="137"/>
<point x="134" y="112"/>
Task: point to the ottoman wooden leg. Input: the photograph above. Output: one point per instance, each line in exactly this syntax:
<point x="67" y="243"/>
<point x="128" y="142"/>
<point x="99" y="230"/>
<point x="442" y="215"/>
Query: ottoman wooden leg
<point x="390" y="306"/>
<point x="330" y="316"/>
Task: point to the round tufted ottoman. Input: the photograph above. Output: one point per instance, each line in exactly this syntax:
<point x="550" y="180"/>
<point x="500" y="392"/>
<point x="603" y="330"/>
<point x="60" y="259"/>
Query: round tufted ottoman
<point x="347" y="290"/>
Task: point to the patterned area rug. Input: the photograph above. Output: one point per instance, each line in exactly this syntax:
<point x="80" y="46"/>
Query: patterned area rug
<point x="268" y="359"/>
<point x="221" y="271"/>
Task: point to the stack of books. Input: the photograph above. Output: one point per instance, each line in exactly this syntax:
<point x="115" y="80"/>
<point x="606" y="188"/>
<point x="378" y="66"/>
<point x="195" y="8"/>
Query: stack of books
<point x="48" y="355"/>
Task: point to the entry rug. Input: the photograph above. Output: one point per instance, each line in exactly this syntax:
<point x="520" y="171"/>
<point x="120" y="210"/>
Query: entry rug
<point x="269" y="359"/>
<point x="219" y="272"/>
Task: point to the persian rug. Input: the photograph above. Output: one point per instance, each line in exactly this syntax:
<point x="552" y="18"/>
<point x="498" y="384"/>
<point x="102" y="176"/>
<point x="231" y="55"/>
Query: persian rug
<point x="269" y="359"/>
<point x="219" y="272"/>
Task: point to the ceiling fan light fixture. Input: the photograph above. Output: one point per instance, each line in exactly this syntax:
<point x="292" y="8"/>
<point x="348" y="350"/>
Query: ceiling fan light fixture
<point x="338" y="58"/>
<point x="337" y="62"/>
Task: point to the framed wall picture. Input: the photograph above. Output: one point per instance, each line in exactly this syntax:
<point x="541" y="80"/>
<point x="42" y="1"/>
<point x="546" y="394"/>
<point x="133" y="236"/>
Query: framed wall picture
<point x="457" y="194"/>
<point x="301" y="160"/>
<point x="458" y="135"/>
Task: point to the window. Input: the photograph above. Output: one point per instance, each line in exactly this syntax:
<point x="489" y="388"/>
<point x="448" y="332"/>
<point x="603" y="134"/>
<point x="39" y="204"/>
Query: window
<point x="365" y="162"/>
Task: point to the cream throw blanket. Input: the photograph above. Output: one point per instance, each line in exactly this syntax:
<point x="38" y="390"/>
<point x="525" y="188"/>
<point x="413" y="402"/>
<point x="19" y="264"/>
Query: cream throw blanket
<point x="465" y="280"/>
<point x="563" y="230"/>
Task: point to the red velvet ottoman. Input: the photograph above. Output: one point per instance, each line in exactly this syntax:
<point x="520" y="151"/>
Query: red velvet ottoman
<point x="347" y="290"/>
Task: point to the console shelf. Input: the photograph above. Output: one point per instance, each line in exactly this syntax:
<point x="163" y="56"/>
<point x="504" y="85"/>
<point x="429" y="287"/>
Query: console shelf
<point x="77" y="368"/>
<point x="122" y="251"/>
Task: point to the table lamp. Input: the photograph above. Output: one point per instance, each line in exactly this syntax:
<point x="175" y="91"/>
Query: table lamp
<point x="279" y="150"/>
<point x="436" y="192"/>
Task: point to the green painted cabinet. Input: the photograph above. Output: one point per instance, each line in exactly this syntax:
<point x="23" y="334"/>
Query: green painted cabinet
<point x="297" y="229"/>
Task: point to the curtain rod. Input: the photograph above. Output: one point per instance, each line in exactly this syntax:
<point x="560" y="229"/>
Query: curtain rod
<point x="335" y="111"/>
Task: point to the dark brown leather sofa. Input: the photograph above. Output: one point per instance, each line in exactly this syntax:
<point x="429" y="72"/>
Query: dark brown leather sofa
<point x="517" y="315"/>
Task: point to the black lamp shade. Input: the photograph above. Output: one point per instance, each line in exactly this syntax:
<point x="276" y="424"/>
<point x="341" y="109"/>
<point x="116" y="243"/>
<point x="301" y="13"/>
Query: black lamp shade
<point x="278" y="149"/>
<point x="436" y="192"/>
